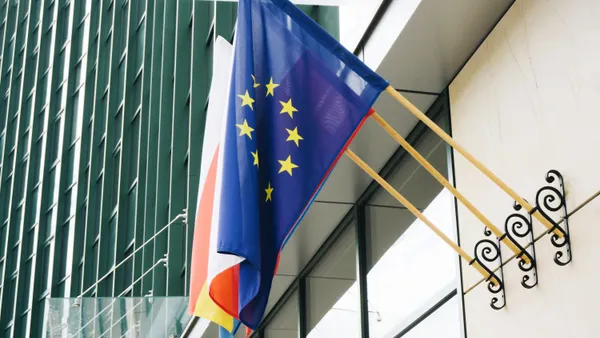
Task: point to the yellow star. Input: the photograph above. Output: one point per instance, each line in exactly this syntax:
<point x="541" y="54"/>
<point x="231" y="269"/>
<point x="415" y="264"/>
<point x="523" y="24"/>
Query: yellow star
<point x="287" y="165"/>
<point x="269" y="191"/>
<point x="245" y="129"/>
<point x="255" y="155"/>
<point x="294" y="136"/>
<point x="256" y="85"/>
<point x="271" y="87"/>
<point x="288" y="108"/>
<point x="247" y="100"/>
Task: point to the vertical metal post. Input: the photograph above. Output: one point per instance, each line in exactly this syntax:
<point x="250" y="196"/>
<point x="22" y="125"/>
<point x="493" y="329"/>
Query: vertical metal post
<point x="302" y="310"/>
<point x="112" y="148"/>
<point x="157" y="10"/>
<point x="143" y="80"/>
<point x="176" y="278"/>
<point x="97" y="142"/>
<point x="33" y="190"/>
<point x="166" y="88"/>
<point x="452" y="178"/>
<point x="66" y="180"/>
<point x="31" y="126"/>
<point x="362" y="267"/>
<point x="88" y="18"/>
<point x="10" y="174"/>
<point x="127" y="191"/>
<point x="49" y="29"/>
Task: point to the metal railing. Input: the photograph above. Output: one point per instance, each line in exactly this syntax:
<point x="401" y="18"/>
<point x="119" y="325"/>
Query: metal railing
<point x="112" y="270"/>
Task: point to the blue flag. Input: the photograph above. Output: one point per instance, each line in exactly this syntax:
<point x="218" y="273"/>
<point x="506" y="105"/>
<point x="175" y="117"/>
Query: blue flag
<point x="223" y="333"/>
<point x="297" y="97"/>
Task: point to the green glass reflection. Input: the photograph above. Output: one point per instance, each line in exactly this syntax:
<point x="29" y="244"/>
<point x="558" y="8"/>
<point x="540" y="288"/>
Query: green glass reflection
<point x="116" y="317"/>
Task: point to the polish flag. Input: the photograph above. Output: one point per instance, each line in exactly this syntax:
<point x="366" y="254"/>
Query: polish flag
<point x="206" y="262"/>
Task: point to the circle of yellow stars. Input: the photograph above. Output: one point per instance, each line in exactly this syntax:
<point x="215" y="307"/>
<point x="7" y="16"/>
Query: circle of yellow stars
<point x="287" y="166"/>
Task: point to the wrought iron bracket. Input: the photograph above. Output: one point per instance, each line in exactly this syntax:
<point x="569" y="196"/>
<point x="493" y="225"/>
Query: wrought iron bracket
<point x="487" y="251"/>
<point x="550" y="199"/>
<point x="518" y="228"/>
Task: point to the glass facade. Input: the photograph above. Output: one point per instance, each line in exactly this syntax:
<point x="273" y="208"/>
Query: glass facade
<point x="331" y="291"/>
<point x="102" y="108"/>
<point x="147" y="317"/>
<point x="383" y="273"/>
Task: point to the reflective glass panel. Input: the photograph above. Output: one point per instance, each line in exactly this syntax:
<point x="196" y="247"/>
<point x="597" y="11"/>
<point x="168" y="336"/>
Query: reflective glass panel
<point x="117" y="317"/>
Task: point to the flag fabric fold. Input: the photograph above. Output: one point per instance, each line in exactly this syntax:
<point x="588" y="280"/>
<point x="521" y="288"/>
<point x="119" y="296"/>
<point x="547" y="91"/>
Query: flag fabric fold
<point x="295" y="100"/>
<point x="206" y="261"/>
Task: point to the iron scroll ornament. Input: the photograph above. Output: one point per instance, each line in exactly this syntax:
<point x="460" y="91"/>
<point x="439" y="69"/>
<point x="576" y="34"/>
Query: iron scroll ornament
<point x="550" y="199"/>
<point x="486" y="252"/>
<point x="518" y="226"/>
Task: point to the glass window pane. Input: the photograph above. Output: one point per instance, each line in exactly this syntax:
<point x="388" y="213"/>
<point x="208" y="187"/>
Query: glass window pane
<point x="137" y="93"/>
<point x="49" y="224"/>
<point x="10" y="293"/>
<point x="105" y="64"/>
<point x="118" y="127"/>
<point x="416" y="267"/>
<point x="130" y="226"/>
<point x="112" y="239"/>
<point x="78" y="73"/>
<point x="127" y="269"/>
<point x="56" y="136"/>
<point x="52" y="186"/>
<point x="26" y="111"/>
<point x="332" y="292"/>
<point x="64" y="240"/>
<point x="44" y="262"/>
<point x="124" y="15"/>
<point x="410" y="268"/>
<point x="29" y="242"/>
<point x="3" y="230"/>
<point x="115" y="178"/>
<point x="133" y="149"/>
<point x="77" y="116"/>
<point x="444" y="322"/>
<point x="98" y="199"/>
<point x="121" y="79"/>
<point x="24" y="296"/>
<point x="2" y="138"/>
<point x="71" y="165"/>
<point x="285" y="322"/>
<point x="34" y="205"/>
<point x="140" y="36"/>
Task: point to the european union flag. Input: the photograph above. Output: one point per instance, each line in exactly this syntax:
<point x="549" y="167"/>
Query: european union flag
<point x="297" y="97"/>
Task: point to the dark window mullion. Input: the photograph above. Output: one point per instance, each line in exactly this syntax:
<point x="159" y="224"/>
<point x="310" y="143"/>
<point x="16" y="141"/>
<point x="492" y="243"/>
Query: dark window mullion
<point x="14" y="192"/>
<point x="46" y="79"/>
<point x="109" y="108"/>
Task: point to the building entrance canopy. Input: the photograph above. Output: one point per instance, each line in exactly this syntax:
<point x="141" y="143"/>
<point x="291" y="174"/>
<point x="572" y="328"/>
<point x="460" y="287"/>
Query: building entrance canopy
<point x="117" y="317"/>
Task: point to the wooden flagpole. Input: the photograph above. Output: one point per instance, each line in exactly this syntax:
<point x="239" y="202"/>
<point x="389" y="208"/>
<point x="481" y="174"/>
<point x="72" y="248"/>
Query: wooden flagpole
<point x="388" y="187"/>
<point x="440" y="178"/>
<point x="419" y="114"/>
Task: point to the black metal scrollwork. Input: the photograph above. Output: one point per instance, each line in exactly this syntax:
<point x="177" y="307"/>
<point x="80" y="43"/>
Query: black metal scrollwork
<point x="486" y="252"/>
<point x="517" y="227"/>
<point x="550" y="199"/>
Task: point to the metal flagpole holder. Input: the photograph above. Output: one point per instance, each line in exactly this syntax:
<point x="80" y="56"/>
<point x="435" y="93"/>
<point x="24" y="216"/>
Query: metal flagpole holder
<point x="550" y="199"/>
<point x="487" y="251"/>
<point x="518" y="227"/>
